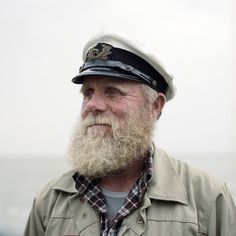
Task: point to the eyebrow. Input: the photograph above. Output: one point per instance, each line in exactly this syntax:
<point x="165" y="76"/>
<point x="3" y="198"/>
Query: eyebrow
<point x="83" y="88"/>
<point x="108" y="85"/>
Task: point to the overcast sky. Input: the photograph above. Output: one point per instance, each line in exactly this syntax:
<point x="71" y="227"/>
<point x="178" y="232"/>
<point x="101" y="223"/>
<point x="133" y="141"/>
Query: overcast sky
<point x="41" y="44"/>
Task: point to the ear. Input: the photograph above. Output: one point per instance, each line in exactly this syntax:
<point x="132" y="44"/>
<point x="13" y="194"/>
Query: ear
<point x="158" y="105"/>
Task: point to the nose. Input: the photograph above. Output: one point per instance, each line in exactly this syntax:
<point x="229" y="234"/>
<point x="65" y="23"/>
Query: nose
<point x="95" y="104"/>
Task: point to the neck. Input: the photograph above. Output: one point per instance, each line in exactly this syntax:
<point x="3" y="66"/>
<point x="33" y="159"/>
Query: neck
<point x="124" y="181"/>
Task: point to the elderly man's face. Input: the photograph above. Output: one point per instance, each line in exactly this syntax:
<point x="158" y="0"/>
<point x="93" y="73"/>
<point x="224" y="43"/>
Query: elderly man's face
<point x="111" y="98"/>
<point x="115" y="128"/>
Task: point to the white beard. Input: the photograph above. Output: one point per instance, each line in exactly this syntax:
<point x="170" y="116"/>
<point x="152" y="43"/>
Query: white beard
<point x="98" y="154"/>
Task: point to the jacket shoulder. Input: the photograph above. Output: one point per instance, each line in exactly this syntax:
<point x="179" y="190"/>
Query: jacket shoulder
<point x="196" y="180"/>
<point x="63" y="182"/>
<point x="53" y="192"/>
<point x="202" y="189"/>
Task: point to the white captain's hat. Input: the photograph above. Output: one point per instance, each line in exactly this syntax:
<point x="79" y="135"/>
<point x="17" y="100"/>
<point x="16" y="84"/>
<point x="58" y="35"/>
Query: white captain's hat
<point x="114" y="55"/>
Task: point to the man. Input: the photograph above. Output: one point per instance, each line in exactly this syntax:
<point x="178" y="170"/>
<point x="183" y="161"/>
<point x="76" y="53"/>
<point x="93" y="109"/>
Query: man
<point x="121" y="184"/>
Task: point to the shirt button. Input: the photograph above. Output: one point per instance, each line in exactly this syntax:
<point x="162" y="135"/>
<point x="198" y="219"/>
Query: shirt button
<point x="140" y="220"/>
<point x="84" y="215"/>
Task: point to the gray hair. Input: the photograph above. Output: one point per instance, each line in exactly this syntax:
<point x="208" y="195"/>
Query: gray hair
<point x="149" y="93"/>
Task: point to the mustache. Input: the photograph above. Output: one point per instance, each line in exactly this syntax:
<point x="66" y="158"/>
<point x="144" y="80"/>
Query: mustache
<point x="100" y="119"/>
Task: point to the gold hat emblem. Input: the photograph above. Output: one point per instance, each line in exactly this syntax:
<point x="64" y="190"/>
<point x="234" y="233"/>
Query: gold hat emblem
<point x="100" y="51"/>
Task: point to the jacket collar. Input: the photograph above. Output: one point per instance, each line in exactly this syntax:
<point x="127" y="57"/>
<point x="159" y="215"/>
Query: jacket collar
<point x="66" y="183"/>
<point x="165" y="184"/>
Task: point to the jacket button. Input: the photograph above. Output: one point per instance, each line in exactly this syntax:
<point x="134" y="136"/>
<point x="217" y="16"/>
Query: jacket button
<point x="140" y="220"/>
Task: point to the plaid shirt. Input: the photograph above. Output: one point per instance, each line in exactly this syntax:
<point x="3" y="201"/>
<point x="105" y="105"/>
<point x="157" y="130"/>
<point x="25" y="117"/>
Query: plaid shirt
<point x="89" y="189"/>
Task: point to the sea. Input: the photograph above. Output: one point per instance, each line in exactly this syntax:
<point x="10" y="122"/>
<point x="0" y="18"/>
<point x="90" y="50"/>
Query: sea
<point x="21" y="178"/>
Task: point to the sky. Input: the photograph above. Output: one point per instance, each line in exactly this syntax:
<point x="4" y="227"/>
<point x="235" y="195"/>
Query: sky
<point x="41" y="46"/>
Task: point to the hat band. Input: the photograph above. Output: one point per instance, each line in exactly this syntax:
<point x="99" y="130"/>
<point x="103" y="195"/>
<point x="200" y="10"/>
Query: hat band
<point x="118" y="65"/>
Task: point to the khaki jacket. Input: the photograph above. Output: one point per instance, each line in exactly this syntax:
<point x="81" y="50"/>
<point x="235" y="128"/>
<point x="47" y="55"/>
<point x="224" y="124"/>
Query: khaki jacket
<point x="180" y="201"/>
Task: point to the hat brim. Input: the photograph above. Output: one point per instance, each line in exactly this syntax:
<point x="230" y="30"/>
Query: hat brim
<point x="104" y="72"/>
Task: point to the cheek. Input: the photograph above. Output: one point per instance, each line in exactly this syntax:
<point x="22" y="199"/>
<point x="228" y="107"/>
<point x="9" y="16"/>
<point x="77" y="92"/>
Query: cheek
<point x="123" y="110"/>
<point x="83" y="111"/>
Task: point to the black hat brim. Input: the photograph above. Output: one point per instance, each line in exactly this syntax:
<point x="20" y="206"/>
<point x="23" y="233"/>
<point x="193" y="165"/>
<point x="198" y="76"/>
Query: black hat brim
<point x="105" y="72"/>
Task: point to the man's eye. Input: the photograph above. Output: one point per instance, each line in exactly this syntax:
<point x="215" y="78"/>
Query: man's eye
<point x="113" y="91"/>
<point x="88" y="93"/>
